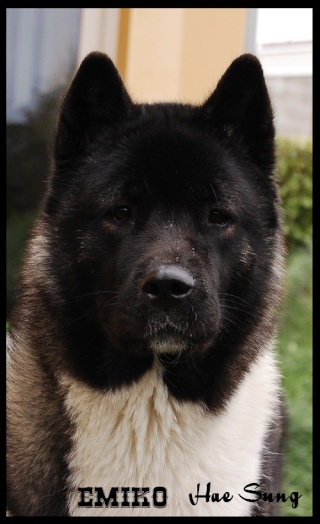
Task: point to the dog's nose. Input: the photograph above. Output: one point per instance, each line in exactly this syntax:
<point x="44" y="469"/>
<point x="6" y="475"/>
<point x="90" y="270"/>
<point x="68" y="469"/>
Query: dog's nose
<point x="167" y="283"/>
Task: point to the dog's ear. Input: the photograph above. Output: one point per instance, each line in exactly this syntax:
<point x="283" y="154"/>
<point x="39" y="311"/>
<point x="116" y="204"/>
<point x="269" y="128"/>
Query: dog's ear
<point x="240" y="109"/>
<point x="96" y="98"/>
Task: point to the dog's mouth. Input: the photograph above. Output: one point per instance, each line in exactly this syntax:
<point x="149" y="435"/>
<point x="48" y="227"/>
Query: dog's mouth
<point x="163" y="343"/>
<point x="156" y="331"/>
<point x="169" y="342"/>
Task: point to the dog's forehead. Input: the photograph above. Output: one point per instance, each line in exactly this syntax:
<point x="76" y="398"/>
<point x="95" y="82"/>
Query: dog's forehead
<point x="175" y="156"/>
<point x="168" y="180"/>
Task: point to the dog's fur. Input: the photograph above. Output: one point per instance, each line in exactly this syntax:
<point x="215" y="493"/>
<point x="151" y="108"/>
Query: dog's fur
<point x="141" y="352"/>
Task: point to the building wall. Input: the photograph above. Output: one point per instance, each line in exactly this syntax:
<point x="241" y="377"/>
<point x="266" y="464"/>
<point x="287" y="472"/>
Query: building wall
<point x="155" y="43"/>
<point x="292" y="102"/>
<point x="288" y="71"/>
<point x="99" y="30"/>
<point x="42" y="46"/>
<point x="212" y="38"/>
<point x="180" y="53"/>
<point x="162" y="54"/>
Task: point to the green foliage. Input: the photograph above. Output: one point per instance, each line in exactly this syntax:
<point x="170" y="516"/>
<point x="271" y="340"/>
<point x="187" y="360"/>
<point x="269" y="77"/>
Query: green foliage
<point x="295" y="354"/>
<point x="28" y="155"/>
<point x="18" y="229"/>
<point x="295" y="182"/>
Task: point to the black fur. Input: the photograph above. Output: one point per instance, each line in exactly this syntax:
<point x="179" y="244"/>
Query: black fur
<point x="136" y="188"/>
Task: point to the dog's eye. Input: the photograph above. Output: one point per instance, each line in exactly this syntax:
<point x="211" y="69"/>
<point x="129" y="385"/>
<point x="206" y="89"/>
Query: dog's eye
<point x="122" y="213"/>
<point x="218" y="218"/>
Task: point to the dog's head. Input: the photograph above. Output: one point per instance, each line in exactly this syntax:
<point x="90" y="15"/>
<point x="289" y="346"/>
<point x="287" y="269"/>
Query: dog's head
<point x="163" y="219"/>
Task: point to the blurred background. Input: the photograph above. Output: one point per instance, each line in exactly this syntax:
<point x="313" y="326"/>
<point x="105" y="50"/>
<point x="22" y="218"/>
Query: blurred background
<point x="177" y="54"/>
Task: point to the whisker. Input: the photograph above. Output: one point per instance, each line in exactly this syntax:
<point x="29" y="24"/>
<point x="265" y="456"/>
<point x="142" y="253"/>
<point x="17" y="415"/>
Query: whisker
<point x="145" y="182"/>
<point x="98" y="293"/>
<point x="110" y="303"/>
<point x="213" y="191"/>
<point x="85" y="314"/>
<point x="79" y="298"/>
<point x="234" y="296"/>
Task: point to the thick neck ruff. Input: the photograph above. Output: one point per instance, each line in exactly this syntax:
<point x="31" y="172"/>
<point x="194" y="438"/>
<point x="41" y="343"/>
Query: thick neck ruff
<point x="140" y="436"/>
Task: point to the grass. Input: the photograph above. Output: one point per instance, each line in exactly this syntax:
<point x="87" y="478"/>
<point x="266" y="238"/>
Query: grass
<point x="295" y="353"/>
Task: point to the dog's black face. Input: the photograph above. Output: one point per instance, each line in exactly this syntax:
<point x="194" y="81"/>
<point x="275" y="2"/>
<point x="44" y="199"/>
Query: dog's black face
<point x="165" y="217"/>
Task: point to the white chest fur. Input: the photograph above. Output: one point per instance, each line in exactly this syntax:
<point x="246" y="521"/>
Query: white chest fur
<point x="142" y="437"/>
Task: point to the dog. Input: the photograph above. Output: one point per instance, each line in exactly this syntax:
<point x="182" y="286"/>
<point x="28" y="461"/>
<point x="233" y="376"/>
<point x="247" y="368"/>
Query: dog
<point x="142" y="378"/>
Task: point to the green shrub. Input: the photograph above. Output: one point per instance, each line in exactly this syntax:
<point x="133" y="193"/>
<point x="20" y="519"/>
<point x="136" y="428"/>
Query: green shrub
<point x="28" y="155"/>
<point x="295" y="357"/>
<point x="295" y="181"/>
<point x="28" y="163"/>
<point x="18" y="229"/>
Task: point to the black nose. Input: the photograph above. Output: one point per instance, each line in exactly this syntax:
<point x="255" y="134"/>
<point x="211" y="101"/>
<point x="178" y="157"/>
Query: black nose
<point x="167" y="283"/>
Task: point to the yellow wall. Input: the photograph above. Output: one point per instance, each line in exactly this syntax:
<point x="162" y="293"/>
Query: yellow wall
<point x="154" y="53"/>
<point x="179" y="53"/>
<point x="212" y="39"/>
